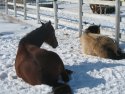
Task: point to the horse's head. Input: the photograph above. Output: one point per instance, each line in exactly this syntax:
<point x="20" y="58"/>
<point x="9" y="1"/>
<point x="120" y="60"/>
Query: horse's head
<point x="50" y="34"/>
<point x="93" y="29"/>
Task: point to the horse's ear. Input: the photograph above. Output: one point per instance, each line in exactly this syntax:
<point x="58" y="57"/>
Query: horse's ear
<point x="49" y="23"/>
<point x="42" y="23"/>
<point x="99" y="26"/>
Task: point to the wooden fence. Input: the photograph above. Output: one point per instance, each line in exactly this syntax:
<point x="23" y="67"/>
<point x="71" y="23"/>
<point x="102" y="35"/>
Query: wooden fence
<point x="80" y="13"/>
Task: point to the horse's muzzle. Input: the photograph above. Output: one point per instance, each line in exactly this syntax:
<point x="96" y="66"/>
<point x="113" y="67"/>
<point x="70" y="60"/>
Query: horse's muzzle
<point x="54" y="46"/>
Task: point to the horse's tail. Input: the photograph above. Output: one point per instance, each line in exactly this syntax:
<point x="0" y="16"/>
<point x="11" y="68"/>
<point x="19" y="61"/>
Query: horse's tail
<point x="121" y="55"/>
<point x="62" y="88"/>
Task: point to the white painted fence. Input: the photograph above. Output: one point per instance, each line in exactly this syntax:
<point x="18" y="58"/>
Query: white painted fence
<point x="111" y="3"/>
<point x="79" y="14"/>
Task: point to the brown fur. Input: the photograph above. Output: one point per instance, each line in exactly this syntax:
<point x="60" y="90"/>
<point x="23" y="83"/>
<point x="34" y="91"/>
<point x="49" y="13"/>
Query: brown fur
<point x="102" y="9"/>
<point x="62" y="89"/>
<point x="99" y="45"/>
<point x="36" y="65"/>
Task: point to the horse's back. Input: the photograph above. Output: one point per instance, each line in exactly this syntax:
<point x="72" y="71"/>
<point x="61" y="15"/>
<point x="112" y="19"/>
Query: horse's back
<point x="26" y="67"/>
<point x="51" y="67"/>
<point x="98" y="45"/>
<point x="107" y="43"/>
<point x="41" y="66"/>
<point x="87" y="42"/>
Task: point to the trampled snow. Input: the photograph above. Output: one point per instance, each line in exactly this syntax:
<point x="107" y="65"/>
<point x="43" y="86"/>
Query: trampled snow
<point x="91" y="75"/>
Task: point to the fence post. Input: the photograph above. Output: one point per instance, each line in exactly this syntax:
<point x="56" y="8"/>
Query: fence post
<point x="37" y="10"/>
<point x="15" y="11"/>
<point x="6" y="6"/>
<point x="117" y="25"/>
<point x="55" y="14"/>
<point x="80" y="17"/>
<point x="25" y="14"/>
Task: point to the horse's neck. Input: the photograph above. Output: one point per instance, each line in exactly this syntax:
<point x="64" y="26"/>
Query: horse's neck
<point x="90" y="36"/>
<point x="94" y="35"/>
<point x="36" y="37"/>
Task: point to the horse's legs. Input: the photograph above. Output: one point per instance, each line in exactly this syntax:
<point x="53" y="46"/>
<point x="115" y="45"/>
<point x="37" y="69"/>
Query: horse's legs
<point x="120" y="54"/>
<point x="111" y="54"/>
<point x="61" y="88"/>
<point x="65" y="76"/>
<point x="69" y="71"/>
<point x="92" y="6"/>
<point x="105" y="52"/>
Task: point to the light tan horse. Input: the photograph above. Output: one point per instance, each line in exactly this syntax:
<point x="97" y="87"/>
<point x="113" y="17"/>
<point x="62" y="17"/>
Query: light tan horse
<point x="98" y="45"/>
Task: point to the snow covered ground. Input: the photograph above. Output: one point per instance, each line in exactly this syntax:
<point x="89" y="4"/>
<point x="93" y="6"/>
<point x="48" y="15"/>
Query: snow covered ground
<point x="91" y="75"/>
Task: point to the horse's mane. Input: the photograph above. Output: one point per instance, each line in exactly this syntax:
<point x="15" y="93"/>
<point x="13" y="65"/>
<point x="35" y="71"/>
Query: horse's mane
<point x="33" y="36"/>
<point x="92" y="29"/>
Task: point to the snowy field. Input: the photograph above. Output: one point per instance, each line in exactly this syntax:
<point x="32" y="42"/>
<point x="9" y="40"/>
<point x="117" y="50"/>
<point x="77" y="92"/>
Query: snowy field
<point x="92" y="75"/>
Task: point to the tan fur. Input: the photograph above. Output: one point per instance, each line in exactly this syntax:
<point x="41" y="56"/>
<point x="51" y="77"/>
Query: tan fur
<point x="96" y="44"/>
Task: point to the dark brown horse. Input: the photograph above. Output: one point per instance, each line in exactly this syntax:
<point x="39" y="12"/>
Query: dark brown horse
<point x="98" y="45"/>
<point x="36" y="65"/>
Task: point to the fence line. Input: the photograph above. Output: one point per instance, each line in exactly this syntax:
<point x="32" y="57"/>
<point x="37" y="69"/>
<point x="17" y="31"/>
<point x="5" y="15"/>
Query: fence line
<point x="111" y="3"/>
<point x="117" y="23"/>
<point x="30" y="6"/>
<point x="37" y="11"/>
<point x="25" y="8"/>
<point x="15" y="11"/>
<point x="74" y="1"/>
<point x="109" y="18"/>
<point x="6" y="8"/>
<point x="55" y="14"/>
<point x="80" y="15"/>
<point x="117" y="4"/>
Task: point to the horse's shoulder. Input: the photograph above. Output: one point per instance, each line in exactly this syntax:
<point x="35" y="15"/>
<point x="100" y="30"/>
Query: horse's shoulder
<point x="44" y="53"/>
<point x="51" y="53"/>
<point x="44" y="57"/>
<point x="106" y="39"/>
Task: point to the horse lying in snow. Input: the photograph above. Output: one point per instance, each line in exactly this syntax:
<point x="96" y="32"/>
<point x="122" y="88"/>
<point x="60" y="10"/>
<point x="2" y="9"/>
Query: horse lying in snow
<point x="36" y="65"/>
<point x="98" y="45"/>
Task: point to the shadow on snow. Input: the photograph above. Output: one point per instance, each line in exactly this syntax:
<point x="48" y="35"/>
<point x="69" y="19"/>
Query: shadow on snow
<point x="80" y="78"/>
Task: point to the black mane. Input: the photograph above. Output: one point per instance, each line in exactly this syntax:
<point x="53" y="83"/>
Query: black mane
<point x="93" y="29"/>
<point x="34" y="37"/>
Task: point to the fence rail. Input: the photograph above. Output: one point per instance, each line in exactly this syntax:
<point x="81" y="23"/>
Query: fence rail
<point x="30" y="6"/>
<point x="73" y="1"/>
<point x="111" y="3"/>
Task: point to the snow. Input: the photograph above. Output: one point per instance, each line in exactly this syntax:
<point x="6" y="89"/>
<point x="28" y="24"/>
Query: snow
<point x="91" y="75"/>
